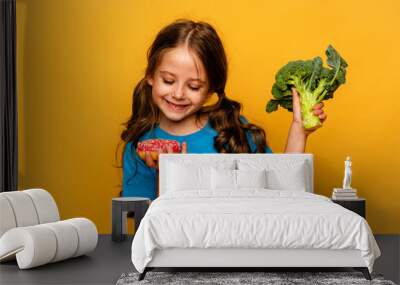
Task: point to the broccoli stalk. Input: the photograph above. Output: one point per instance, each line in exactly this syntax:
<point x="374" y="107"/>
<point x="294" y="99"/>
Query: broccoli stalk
<point x="308" y="99"/>
<point x="313" y="82"/>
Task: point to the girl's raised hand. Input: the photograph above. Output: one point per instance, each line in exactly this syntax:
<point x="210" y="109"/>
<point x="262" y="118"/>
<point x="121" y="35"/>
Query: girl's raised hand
<point x="297" y="118"/>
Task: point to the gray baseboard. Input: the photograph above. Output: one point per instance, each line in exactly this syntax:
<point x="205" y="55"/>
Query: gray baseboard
<point x="388" y="263"/>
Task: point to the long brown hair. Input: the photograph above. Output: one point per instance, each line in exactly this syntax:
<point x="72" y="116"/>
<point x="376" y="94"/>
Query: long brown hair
<point x="224" y="115"/>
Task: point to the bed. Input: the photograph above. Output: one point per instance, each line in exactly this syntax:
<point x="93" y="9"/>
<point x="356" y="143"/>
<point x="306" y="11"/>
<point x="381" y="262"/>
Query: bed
<point x="247" y="210"/>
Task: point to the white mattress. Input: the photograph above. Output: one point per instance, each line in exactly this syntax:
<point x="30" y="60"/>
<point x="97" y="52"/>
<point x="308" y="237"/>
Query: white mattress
<point x="250" y="218"/>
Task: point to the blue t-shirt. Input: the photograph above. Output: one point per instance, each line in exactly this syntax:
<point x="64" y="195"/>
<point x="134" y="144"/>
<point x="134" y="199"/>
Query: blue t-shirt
<point x="140" y="180"/>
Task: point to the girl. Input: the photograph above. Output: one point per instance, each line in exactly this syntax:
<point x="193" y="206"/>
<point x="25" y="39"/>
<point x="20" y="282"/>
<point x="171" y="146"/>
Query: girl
<point x="186" y="66"/>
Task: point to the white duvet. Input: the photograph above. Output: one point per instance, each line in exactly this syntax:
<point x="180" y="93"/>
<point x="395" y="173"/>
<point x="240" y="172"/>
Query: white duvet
<point x="250" y="218"/>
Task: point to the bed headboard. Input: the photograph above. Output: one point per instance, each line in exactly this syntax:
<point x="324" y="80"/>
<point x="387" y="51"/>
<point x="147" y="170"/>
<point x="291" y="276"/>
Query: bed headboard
<point x="209" y="159"/>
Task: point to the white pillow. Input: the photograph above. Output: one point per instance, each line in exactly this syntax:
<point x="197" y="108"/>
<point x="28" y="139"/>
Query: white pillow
<point x="281" y="174"/>
<point x="235" y="179"/>
<point x="251" y="178"/>
<point x="223" y="179"/>
<point x="182" y="177"/>
<point x="188" y="176"/>
<point x="288" y="179"/>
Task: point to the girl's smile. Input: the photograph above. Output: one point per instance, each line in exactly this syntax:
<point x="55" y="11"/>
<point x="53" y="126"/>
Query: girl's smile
<point x="177" y="107"/>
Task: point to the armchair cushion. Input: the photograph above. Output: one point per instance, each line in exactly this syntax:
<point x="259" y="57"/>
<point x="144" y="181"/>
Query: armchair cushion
<point x="30" y="230"/>
<point x="45" y="243"/>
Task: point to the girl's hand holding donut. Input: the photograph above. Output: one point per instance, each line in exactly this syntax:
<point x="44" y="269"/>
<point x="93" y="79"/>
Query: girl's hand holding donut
<point x="149" y="150"/>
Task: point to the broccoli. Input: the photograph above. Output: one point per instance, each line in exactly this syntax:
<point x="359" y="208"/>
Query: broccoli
<point x="312" y="81"/>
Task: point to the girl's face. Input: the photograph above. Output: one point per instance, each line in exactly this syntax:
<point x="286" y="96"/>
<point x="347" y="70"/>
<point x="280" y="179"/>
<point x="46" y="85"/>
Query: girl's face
<point x="180" y="84"/>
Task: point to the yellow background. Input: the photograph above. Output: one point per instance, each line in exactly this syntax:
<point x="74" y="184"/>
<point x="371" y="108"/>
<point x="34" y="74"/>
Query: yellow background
<point x="78" y="62"/>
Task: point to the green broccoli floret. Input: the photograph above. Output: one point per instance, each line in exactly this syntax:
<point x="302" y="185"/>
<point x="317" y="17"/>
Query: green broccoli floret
<point x="313" y="82"/>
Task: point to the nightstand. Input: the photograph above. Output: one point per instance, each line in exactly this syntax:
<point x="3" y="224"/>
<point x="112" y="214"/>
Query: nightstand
<point x="356" y="205"/>
<point x="121" y="206"/>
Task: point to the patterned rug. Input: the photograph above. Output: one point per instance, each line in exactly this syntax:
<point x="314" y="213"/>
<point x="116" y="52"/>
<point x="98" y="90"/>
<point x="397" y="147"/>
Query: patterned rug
<point x="270" y="278"/>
